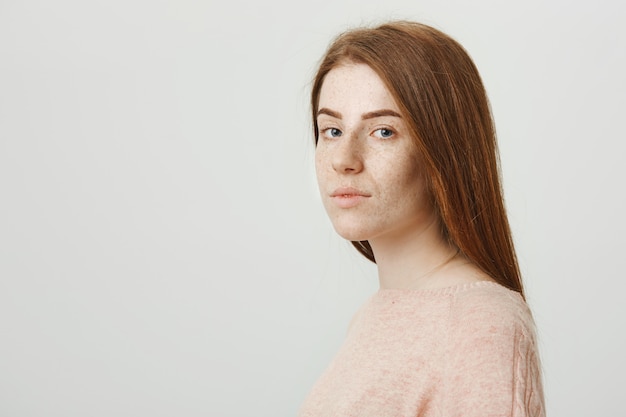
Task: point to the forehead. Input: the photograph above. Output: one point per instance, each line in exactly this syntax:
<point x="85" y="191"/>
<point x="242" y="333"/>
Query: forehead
<point x="355" y="86"/>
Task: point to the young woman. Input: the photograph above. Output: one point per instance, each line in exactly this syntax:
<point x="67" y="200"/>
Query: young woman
<point x="407" y="167"/>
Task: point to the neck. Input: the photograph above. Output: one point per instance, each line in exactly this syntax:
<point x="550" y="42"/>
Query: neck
<point x="415" y="259"/>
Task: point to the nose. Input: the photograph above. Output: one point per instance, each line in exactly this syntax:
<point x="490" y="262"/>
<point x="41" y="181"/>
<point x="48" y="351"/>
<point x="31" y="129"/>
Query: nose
<point x="348" y="156"/>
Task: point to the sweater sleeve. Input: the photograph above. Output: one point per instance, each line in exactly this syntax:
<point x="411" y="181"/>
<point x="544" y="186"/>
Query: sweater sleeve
<point x="492" y="367"/>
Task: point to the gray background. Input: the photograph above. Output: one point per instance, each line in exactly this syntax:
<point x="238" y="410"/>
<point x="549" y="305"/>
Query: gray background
<point x="163" y="250"/>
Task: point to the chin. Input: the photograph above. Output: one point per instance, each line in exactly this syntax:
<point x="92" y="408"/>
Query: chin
<point x="352" y="232"/>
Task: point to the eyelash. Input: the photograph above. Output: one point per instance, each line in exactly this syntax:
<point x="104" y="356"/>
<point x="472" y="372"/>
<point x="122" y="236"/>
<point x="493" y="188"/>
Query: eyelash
<point x="327" y="132"/>
<point x="391" y="133"/>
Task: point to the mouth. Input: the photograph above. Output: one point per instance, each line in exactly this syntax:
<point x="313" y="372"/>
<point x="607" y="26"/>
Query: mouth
<point x="347" y="197"/>
<point x="349" y="192"/>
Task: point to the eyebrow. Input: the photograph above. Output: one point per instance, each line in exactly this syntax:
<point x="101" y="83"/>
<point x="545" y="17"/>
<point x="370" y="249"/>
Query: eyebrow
<point x="364" y="116"/>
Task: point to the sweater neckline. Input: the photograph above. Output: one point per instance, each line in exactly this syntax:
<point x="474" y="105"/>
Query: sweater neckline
<point x="453" y="289"/>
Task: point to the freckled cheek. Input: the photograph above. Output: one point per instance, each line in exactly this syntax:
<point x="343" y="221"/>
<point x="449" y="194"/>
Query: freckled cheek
<point x="318" y="163"/>
<point x="321" y="168"/>
<point x="405" y="179"/>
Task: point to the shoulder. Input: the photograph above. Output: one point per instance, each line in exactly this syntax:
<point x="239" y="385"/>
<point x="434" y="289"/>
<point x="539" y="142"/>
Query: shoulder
<point x="491" y="354"/>
<point x="490" y="307"/>
<point x="489" y="327"/>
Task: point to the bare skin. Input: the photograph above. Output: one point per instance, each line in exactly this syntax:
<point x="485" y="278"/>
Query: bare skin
<point x="373" y="189"/>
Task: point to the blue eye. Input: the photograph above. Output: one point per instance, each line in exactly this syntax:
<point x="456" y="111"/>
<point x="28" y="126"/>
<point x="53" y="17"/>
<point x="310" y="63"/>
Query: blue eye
<point x="332" y="132"/>
<point x="383" y="133"/>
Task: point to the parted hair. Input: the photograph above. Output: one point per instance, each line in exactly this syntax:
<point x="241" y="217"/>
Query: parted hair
<point x="444" y="104"/>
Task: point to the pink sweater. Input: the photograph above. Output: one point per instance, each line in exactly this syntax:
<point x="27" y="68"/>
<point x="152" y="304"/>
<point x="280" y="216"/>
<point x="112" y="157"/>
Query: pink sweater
<point x="466" y="351"/>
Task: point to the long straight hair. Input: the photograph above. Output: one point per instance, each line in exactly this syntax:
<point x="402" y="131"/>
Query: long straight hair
<point x="441" y="96"/>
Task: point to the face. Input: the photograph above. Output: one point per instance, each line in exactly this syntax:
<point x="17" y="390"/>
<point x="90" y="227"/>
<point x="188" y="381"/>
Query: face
<point x="368" y="169"/>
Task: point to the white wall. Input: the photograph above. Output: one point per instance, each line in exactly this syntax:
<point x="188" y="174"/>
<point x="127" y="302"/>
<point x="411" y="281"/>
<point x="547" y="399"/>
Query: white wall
<point x="163" y="250"/>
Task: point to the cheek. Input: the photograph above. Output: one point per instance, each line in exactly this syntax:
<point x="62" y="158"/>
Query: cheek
<point x="320" y="164"/>
<point x="409" y="180"/>
<point x="320" y="172"/>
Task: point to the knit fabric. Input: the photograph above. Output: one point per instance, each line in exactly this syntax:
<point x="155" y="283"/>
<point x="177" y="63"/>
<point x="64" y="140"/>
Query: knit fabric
<point x="467" y="351"/>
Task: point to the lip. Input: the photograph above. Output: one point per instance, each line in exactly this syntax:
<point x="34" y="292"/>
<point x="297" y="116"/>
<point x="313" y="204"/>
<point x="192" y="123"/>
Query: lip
<point x="346" y="197"/>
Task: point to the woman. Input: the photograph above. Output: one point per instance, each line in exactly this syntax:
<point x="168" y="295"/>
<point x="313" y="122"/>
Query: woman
<point x="407" y="167"/>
